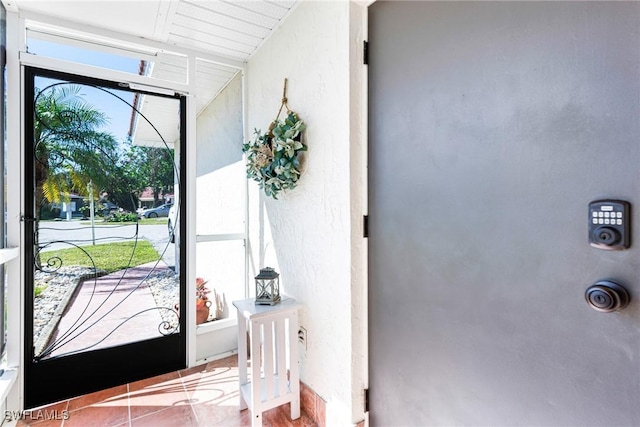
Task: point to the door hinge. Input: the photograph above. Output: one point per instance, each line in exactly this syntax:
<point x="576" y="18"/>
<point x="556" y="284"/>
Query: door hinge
<point x="366" y="400"/>
<point x="365" y="53"/>
<point x="365" y="226"/>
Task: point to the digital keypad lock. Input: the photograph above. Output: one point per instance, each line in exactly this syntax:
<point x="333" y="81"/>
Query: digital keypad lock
<point x="609" y="224"/>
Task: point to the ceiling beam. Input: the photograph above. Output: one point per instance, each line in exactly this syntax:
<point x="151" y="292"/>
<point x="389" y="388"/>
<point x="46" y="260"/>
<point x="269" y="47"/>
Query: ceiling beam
<point x="117" y="36"/>
<point x="102" y="73"/>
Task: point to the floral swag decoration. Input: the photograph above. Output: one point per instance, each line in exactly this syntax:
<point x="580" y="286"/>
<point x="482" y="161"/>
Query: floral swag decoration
<point x="272" y="157"/>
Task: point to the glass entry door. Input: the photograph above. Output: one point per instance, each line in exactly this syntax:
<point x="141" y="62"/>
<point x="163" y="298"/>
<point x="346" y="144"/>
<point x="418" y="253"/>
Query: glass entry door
<point x="103" y="178"/>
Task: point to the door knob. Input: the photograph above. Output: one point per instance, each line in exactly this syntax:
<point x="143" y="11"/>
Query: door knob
<point x="607" y="296"/>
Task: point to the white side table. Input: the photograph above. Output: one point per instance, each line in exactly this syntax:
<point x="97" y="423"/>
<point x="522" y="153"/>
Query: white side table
<point x="273" y="331"/>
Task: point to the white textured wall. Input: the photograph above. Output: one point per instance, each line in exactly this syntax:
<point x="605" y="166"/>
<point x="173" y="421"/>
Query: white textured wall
<point x="313" y="234"/>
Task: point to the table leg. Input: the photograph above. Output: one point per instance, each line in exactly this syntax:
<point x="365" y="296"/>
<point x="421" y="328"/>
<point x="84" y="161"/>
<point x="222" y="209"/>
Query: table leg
<point x="256" y="384"/>
<point x="295" y="375"/>
<point x="242" y="356"/>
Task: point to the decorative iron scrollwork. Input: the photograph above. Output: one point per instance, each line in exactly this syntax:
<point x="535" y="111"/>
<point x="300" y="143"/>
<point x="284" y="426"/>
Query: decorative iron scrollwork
<point x="85" y="330"/>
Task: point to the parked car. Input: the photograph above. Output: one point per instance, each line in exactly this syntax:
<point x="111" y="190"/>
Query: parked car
<point x="171" y="223"/>
<point x="162" y="210"/>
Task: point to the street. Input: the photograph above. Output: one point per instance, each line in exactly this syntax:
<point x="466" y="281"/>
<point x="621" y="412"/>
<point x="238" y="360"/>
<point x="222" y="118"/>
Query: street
<point x="58" y="235"/>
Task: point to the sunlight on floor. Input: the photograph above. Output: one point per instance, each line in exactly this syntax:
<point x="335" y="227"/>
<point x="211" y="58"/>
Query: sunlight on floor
<point x="206" y="395"/>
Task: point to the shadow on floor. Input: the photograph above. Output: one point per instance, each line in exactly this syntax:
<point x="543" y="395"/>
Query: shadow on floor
<point x="205" y="395"/>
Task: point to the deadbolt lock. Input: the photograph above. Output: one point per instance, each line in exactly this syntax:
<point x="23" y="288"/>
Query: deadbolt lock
<point x="607" y="296"/>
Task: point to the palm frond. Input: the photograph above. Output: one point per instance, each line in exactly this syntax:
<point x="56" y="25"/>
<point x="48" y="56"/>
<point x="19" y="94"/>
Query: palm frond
<point x="55" y="189"/>
<point x="79" y="182"/>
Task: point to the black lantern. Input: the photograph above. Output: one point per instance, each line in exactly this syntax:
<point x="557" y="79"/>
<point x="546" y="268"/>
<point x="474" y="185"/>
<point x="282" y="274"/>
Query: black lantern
<point x="267" y="287"/>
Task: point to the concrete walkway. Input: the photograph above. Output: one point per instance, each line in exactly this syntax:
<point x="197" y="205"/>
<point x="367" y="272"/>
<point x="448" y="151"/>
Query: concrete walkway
<point x="110" y="310"/>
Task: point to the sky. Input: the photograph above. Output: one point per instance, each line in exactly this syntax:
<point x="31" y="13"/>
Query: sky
<point x="118" y="112"/>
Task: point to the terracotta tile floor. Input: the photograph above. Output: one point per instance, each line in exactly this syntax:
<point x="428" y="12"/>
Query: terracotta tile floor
<point x="206" y="395"/>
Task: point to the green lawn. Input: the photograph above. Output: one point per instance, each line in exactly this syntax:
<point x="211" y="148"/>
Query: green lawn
<point x="109" y="257"/>
<point x="153" y="221"/>
<point x="143" y="221"/>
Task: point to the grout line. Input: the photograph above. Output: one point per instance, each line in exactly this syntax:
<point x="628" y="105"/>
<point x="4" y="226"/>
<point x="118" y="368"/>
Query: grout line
<point x="65" y="409"/>
<point x="129" y="404"/>
<point x="186" y="392"/>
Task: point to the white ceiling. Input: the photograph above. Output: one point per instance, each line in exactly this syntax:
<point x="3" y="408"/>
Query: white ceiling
<point x="232" y="29"/>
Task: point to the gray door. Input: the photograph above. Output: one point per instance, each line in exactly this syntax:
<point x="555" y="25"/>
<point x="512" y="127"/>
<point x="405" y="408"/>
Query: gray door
<point x="492" y="127"/>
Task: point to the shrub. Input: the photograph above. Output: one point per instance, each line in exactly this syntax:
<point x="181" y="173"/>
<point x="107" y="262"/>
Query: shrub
<point x="122" y="217"/>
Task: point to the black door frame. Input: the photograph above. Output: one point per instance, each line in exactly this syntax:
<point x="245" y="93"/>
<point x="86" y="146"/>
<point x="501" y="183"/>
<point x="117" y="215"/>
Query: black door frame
<point x="58" y="378"/>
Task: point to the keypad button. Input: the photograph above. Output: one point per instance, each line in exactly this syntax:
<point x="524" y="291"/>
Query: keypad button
<point x="606" y="214"/>
<point x="594" y="214"/>
<point x="600" y="221"/>
<point x="618" y="221"/>
<point x="619" y="214"/>
<point x="606" y="221"/>
<point x="595" y="220"/>
<point x="600" y="214"/>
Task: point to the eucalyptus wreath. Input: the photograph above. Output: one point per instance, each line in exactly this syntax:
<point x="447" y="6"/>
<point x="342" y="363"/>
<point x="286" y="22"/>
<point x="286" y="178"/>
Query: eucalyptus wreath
<point x="272" y="157"/>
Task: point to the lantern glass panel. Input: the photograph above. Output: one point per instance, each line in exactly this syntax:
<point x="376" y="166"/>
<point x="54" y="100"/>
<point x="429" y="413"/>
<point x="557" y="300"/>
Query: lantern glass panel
<point x="267" y="287"/>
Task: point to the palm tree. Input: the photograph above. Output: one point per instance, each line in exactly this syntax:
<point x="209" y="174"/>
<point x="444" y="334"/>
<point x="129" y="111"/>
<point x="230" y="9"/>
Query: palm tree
<point x="70" y="150"/>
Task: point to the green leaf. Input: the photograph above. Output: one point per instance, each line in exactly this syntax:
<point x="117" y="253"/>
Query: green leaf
<point x="285" y="143"/>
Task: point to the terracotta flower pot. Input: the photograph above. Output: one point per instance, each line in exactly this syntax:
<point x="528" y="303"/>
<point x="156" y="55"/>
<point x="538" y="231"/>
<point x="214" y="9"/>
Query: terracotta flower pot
<point x="202" y="311"/>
